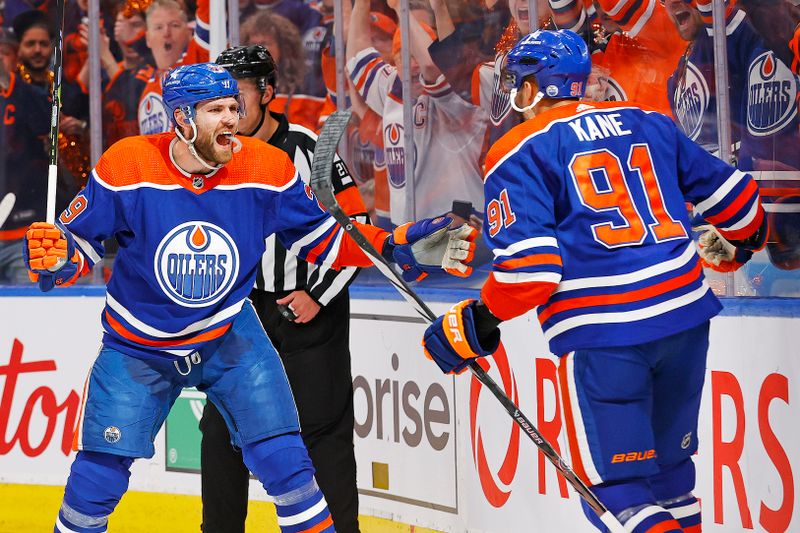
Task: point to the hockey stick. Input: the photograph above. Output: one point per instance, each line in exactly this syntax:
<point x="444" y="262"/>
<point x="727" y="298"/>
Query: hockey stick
<point x="321" y="184"/>
<point x="52" y="169"/>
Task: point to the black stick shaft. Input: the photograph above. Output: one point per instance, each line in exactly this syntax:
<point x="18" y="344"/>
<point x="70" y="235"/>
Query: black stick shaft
<point x="52" y="174"/>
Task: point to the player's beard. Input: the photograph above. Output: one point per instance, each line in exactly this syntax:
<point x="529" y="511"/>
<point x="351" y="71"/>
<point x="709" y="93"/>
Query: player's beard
<point x="212" y="152"/>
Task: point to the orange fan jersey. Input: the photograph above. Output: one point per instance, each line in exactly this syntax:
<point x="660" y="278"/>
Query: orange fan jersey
<point x="636" y="73"/>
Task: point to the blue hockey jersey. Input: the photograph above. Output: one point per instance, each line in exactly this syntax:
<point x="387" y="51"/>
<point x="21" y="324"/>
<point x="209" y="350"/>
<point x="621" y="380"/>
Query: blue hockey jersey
<point x="586" y="215"/>
<point x="190" y="245"/>
<point x="764" y="114"/>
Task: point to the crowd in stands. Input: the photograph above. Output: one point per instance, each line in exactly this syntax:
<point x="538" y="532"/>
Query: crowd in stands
<point x="658" y="53"/>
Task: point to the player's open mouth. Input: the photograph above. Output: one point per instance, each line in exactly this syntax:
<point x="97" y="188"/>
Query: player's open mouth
<point x="225" y="138"/>
<point x="682" y="17"/>
<point x="167" y="47"/>
<point x="522" y="14"/>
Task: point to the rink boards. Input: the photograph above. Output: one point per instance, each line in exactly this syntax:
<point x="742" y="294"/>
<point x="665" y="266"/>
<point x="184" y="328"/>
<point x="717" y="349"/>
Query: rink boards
<point x="433" y="450"/>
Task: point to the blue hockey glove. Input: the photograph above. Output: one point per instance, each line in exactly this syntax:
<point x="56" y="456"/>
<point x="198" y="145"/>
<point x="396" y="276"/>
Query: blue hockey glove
<point x="452" y="342"/>
<point x="429" y="246"/>
<point x="50" y="255"/>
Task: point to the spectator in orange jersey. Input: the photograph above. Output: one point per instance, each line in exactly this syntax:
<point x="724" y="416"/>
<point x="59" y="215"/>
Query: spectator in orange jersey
<point x="635" y="58"/>
<point x="76" y="51"/>
<point x="170" y="39"/>
<point x="365" y="133"/>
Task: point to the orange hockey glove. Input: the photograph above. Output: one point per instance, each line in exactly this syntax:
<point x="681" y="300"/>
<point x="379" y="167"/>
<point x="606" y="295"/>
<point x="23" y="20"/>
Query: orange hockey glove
<point x="50" y="255"/>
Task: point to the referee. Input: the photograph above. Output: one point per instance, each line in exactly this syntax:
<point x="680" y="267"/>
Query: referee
<point x="305" y="310"/>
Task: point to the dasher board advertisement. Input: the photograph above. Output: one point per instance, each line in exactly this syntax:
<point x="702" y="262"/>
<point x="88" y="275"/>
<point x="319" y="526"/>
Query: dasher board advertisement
<point x="434" y="450"/>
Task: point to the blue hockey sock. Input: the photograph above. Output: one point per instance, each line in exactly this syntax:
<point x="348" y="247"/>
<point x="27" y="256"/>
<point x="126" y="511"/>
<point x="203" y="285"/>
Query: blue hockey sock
<point x="672" y="488"/>
<point x="96" y="483"/>
<point x="633" y="503"/>
<point x="284" y="468"/>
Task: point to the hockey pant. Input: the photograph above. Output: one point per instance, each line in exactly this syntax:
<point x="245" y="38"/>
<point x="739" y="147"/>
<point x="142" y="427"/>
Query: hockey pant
<point x="631" y="418"/>
<point x="316" y="357"/>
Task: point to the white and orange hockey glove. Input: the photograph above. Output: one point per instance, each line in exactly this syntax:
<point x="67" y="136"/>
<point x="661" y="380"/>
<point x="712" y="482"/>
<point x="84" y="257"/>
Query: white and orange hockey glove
<point x="50" y="256"/>
<point x="717" y="253"/>
<point x="429" y="245"/>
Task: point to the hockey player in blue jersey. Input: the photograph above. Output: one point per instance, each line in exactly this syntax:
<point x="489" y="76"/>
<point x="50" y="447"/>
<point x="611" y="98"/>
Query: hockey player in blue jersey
<point x="191" y="211"/>
<point x="586" y="216"/>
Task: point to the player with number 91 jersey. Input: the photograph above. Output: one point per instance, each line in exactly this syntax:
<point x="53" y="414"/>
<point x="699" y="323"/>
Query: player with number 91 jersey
<point x="586" y="215"/>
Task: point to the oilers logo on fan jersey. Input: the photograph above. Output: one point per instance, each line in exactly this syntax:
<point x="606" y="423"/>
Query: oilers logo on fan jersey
<point x="772" y="89"/>
<point x="153" y="116"/>
<point x="395" y="154"/>
<point x="196" y="264"/>
<point x="691" y="101"/>
<point x="614" y="91"/>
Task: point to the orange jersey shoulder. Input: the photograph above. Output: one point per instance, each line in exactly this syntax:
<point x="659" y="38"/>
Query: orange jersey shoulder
<point x="258" y="163"/>
<point x="519" y="133"/>
<point x="146" y="159"/>
<point x="137" y="159"/>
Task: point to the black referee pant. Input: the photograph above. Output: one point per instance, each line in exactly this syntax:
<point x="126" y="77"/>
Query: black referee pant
<point x="316" y="356"/>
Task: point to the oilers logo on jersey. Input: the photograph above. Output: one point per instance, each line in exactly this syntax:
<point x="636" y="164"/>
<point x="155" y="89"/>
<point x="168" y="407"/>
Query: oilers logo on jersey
<point x="394" y="154"/>
<point x="196" y="264"/>
<point x="153" y="117"/>
<point x="691" y="101"/>
<point x="772" y="89"/>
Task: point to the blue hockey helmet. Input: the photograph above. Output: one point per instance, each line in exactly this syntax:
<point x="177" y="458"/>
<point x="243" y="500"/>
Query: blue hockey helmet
<point x="559" y="61"/>
<point x="186" y="86"/>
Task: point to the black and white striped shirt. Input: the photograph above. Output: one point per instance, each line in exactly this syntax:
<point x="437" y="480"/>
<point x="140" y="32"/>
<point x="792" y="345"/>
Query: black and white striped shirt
<point x="282" y="271"/>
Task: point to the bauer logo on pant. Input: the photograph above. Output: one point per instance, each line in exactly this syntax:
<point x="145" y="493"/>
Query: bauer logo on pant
<point x="196" y="264"/>
<point x="112" y="434"/>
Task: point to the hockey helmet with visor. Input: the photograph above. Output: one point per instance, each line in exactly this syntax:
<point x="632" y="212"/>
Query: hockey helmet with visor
<point x="188" y="85"/>
<point x="558" y="60"/>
